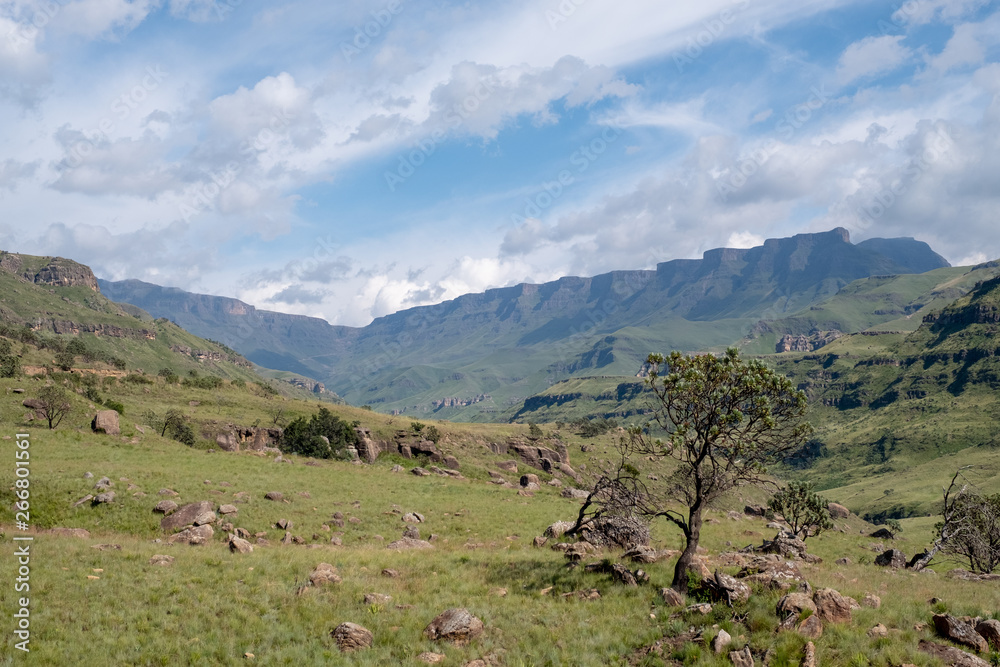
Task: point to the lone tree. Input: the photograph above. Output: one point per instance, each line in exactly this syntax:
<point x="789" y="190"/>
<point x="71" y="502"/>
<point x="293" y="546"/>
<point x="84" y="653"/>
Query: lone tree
<point x="804" y="510"/>
<point x="725" y="420"/>
<point x="53" y="405"/>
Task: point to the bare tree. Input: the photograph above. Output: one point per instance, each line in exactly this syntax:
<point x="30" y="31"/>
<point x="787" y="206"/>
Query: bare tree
<point x="53" y="405"/>
<point x="725" y="420"/>
<point x="969" y="528"/>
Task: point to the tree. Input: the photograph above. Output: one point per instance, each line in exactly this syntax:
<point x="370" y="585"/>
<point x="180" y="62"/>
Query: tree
<point x="53" y="405"/>
<point x="168" y="423"/>
<point x="10" y="364"/>
<point x="803" y="509"/>
<point x="969" y="528"/>
<point x="323" y="436"/>
<point x="724" y="419"/>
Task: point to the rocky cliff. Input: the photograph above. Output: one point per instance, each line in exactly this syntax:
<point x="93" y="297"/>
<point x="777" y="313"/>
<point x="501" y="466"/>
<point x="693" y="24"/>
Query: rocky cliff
<point x="55" y="271"/>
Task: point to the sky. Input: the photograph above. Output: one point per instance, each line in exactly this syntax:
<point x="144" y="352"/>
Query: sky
<point x="349" y="159"/>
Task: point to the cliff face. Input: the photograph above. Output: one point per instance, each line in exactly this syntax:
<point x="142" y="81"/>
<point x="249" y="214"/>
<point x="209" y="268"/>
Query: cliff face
<point x="55" y="271"/>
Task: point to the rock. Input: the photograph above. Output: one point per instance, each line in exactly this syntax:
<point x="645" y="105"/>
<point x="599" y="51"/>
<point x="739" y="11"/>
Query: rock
<point x="721" y="642"/>
<point x="871" y="601"/>
<point x="728" y="589"/>
<point x="454" y="625"/>
<point x="420" y="472"/>
<point x="352" y="637"/>
<point x="509" y="466"/>
<point x="227" y="509"/>
<point x="831" y="606"/>
<point x="275" y="496"/>
<point x="103" y="498"/>
<point x="192" y="514"/>
<point x="238" y="544"/>
<point x="413" y="517"/>
<point x="431" y="658"/>
<point x="376" y="598"/>
<point x="893" y="558"/>
<point x="558" y="529"/>
<point x="451" y="462"/>
<point x="622" y="575"/>
<point x="770" y="572"/>
<point x="103" y="484"/>
<point x="702" y="608"/>
<point x="397" y="468"/>
<point x="882" y="534"/>
<point x="539" y="541"/>
<point x="530" y="482"/>
<point x="794" y="604"/>
<point x="86" y="499"/>
<point x="671" y="598"/>
<point x="88" y="475"/>
<point x="878" y="631"/>
<point x="742" y="658"/>
<point x="786" y="545"/>
<point x="194" y="535"/>
<point x="838" y="511"/>
<point x="412" y="532"/>
<point x="990" y="631"/>
<point x="106" y="422"/>
<point x="324" y="574"/>
<point x="283" y="524"/>
<point x="811" y="628"/>
<point x="959" y="632"/>
<point x="809" y="655"/>
<point x="843" y="561"/>
<point x="576" y="494"/>
<point x="641" y="554"/>
<point x="950" y="655"/>
<point x="390" y="573"/>
<point x="161" y="559"/>
<point x="408" y="543"/>
<point x="755" y="510"/>
<point x="700" y="569"/>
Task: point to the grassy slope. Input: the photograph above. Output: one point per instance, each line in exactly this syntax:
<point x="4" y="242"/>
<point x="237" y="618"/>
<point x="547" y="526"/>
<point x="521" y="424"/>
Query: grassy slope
<point x="212" y="607"/>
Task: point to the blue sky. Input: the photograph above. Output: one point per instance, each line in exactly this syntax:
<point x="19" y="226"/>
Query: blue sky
<point x="276" y="152"/>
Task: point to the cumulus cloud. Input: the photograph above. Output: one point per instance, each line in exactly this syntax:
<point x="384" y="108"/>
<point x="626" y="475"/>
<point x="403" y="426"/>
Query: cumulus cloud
<point x="100" y="18"/>
<point x="12" y="171"/>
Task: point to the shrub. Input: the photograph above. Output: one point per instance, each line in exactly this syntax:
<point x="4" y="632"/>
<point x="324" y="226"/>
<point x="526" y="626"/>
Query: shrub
<point x="115" y="405"/>
<point x="804" y="510"/>
<point x="306" y="437"/>
<point x="135" y="378"/>
<point x="433" y="434"/>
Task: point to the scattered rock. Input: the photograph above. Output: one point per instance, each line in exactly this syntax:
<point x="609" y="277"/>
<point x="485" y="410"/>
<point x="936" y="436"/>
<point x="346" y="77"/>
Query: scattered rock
<point x="228" y="509"/>
<point x="882" y="534"/>
<point x="811" y="627"/>
<point x="703" y="608"/>
<point x="431" y="658"/>
<point x="959" y="631"/>
<point x="454" y="625"/>
<point x="413" y="517"/>
<point x="878" y="631"/>
<point x="390" y="573"/>
<point x="755" y="510"/>
<point x="352" y="637"/>
<point x="950" y="655"/>
<point x="671" y="598"/>
<point x="809" y="655"/>
<point x="539" y="541"/>
<point x="990" y="631"/>
<point x="376" y="598"/>
<point x="871" y="601"/>
<point x="558" y="529"/>
<point x="831" y="606"/>
<point x="107" y="547"/>
<point x="103" y="498"/>
<point x="324" y="574"/>
<point x="838" y="511"/>
<point x="69" y="532"/>
<point x="728" y="589"/>
<point x="794" y="604"/>
<point x="408" y="543"/>
<point x="104" y="483"/>
<point x="893" y="558"/>
<point x="509" y="466"/>
<point x="420" y="472"/>
<point x="275" y="496"/>
<point x="106" y="422"/>
<point x="843" y="561"/>
<point x="721" y="642"/>
<point x="530" y="482"/>
<point x="165" y="507"/>
<point x="283" y="524"/>
<point x="577" y="494"/>
<point x="412" y="532"/>
<point x="170" y="493"/>
<point x="192" y="514"/>
<point x="193" y="535"/>
<point x="238" y="544"/>
<point x="641" y="554"/>
<point x="742" y="658"/>
<point x="161" y="559"/>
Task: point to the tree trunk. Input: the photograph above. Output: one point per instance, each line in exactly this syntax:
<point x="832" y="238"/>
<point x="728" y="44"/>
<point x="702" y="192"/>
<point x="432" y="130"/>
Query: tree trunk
<point x="693" y="534"/>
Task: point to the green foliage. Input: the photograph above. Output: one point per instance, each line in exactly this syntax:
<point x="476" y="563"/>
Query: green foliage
<point x="65" y="360"/>
<point x="10" y="364"/>
<point x="804" y="510"/>
<point x="894" y="526"/>
<point x="206" y="382"/>
<point x="433" y="434"/>
<point x="55" y="405"/>
<point x="534" y="431"/>
<point x="591" y="428"/>
<point x="169" y="376"/>
<point x="91" y="394"/>
<point x="115" y="405"/>
<point x="416" y="427"/>
<point x="322" y="436"/>
<point x="136" y="378"/>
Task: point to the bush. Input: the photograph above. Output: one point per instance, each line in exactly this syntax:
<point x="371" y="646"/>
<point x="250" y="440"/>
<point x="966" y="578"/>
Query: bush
<point x="135" y="378"/>
<point x="92" y="395"/>
<point x="306" y="437"/>
<point x="804" y="510"/>
<point x="65" y="360"/>
<point x="589" y="428"/>
<point x="207" y="382"/>
<point x="116" y="406"/>
<point x="433" y="434"/>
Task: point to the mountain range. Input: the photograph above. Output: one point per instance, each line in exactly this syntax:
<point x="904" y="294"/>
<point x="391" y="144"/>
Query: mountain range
<point x="479" y="356"/>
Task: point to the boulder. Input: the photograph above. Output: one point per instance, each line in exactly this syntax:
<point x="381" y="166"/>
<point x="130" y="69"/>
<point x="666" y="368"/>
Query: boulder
<point x="786" y="545"/>
<point x="742" y="658"/>
<point x="227" y="509"/>
<point x="104" y="484"/>
<point x="838" y="511"/>
<point x="831" y="606"/>
<point x="811" y="627"/>
<point x="106" y="422"/>
<point x="376" y="598"/>
<point x="420" y="472"/>
<point x="193" y="535"/>
<point x="409" y="543"/>
<point x="454" y="625"/>
<point x="950" y="655"/>
<point x="728" y="589"/>
<point x="275" y="496"/>
<point x="878" y="631"/>
<point x="794" y="604"/>
<point x="755" y="510"/>
<point x="165" y="507"/>
<point x="161" y="559"/>
<point x="324" y="574"/>
<point x="192" y="514"/>
<point x="641" y="554"/>
<point x="412" y="532"/>
<point x="413" y="517"/>
<point x="451" y="462"/>
<point x="530" y="482"/>
<point x="352" y="637"/>
<point x="509" y="466"/>
<point x="893" y="558"/>
<point x="239" y="545"/>
<point x="990" y="631"/>
<point x="959" y="632"/>
<point x="671" y="598"/>
<point x="721" y="642"/>
<point x="104" y="498"/>
<point x="871" y="601"/>
<point x="882" y="534"/>
<point x="809" y="655"/>
<point x="575" y="494"/>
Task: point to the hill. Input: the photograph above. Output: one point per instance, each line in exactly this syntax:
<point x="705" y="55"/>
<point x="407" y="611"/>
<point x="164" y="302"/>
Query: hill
<point x="477" y="357"/>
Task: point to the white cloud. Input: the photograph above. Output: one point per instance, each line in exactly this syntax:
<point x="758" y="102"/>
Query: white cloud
<point x="12" y="171"/>
<point x="872" y="55"/>
<point x="919" y="12"/>
<point x="100" y="18"/>
<point x="967" y="46"/>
